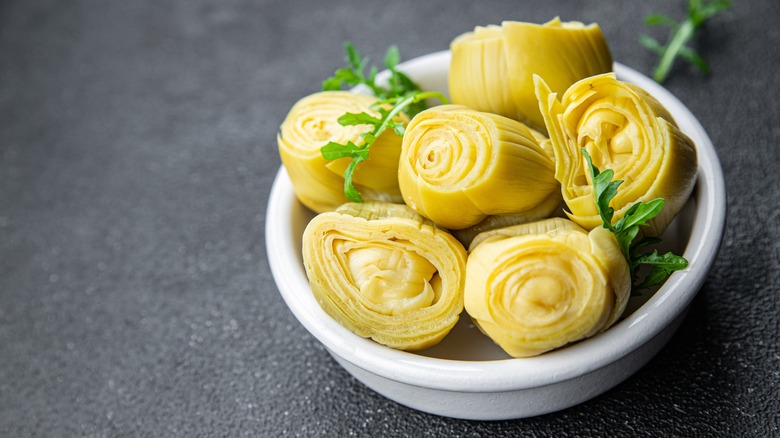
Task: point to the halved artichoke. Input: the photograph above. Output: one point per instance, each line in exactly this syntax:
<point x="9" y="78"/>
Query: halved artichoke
<point x="385" y="272"/>
<point x="459" y="166"/>
<point x="492" y="67"/>
<point x="318" y="183"/>
<point x="539" y="286"/>
<point x="625" y="129"/>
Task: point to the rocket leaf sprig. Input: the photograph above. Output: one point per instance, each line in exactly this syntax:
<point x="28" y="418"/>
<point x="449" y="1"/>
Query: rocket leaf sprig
<point x="359" y="152"/>
<point x="401" y="95"/>
<point x="398" y="83"/>
<point x="627" y="228"/>
<point x="699" y="11"/>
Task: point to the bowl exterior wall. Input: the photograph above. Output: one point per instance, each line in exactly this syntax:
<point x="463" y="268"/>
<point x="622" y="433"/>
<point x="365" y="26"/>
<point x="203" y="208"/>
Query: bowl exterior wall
<point x="521" y="403"/>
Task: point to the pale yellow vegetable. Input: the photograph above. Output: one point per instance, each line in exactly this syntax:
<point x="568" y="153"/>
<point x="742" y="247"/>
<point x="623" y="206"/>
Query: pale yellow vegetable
<point x="492" y="67"/>
<point x="459" y="166"/>
<point x="539" y="286"/>
<point x="318" y="183"/>
<point x="385" y="272"/>
<point x="625" y="129"/>
<point x="548" y="208"/>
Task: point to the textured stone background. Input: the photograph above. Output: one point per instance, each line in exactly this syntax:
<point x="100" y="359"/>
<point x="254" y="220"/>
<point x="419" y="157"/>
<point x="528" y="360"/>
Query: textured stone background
<point x="137" y="151"/>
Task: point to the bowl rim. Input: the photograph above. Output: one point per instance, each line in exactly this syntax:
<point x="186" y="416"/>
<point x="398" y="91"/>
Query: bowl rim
<point x="513" y="373"/>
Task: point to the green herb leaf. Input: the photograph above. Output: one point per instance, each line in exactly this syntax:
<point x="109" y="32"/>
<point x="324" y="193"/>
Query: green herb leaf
<point x="398" y="128"/>
<point x="401" y="93"/>
<point x="353" y="57"/>
<point x="334" y="151"/>
<point x="359" y="153"/>
<point x="350" y="119"/>
<point x="350" y="192"/>
<point x="353" y="74"/>
<point x="644" y="242"/>
<point x="651" y="44"/>
<point x="392" y="57"/>
<point x="681" y="34"/>
<point x="604" y="189"/>
<point x="660" y="20"/>
<point x="398" y="84"/>
<point x="702" y="12"/>
<point x="347" y="76"/>
<point x="663" y="266"/>
<point x="331" y="84"/>
<point x="372" y="77"/>
<point x="627" y="228"/>
<point x="693" y="58"/>
<point x="640" y="213"/>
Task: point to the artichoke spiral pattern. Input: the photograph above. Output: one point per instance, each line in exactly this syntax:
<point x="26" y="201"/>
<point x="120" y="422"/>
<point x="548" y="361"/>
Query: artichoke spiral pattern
<point x="385" y="272"/>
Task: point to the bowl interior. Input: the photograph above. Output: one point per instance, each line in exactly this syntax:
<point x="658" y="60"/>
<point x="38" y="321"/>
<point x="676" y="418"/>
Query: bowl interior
<point x="468" y="360"/>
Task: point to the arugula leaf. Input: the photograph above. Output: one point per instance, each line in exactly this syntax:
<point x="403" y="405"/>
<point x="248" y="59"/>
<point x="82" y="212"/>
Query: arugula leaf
<point x="358" y="119"/>
<point x="359" y="153"/>
<point x="349" y="189"/>
<point x="398" y="84"/>
<point x="392" y="57"/>
<point x="640" y="213"/>
<point x="352" y="75"/>
<point x="604" y="188"/>
<point x="353" y="57"/>
<point x="627" y="229"/>
<point x="401" y="93"/>
<point x="663" y="265"/>
<point x="334" y="151"/>
<point x="680" y="34"/>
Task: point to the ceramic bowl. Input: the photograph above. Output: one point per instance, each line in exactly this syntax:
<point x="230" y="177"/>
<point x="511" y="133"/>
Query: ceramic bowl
<point x="466" y="376"/>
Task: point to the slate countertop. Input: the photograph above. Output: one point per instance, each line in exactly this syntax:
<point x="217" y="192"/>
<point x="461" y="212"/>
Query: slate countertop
<point x="137" y="151"/>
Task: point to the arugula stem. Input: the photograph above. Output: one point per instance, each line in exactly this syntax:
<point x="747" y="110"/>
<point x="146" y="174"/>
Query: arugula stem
<point x="626" y="229"/>
<point x="403" y="94"/>
<point x="401" y="105"/>
<point x="681" y="36"/>
<point x="698" y="13"/>
<point x="359" y="153"/>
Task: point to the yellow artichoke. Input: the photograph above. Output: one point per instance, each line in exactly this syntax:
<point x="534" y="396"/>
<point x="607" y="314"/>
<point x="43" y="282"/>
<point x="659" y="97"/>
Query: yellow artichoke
<point x="548" y="208"/>
<point x="492" y="67"/>
<point x="318" y="183"/>
<point x="459" y="166"/>
<point x="539" y="286"/>
<point x="625" y="129"/>
<point x="385" y="272"/>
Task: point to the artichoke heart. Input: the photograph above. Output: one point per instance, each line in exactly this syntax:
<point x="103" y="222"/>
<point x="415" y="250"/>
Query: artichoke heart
<point x="318" y="183"/>
<point x="550" y="207"/>
<point x="384" y="272"/>
<point x="459" y="166"/>
<point x="539" y="286"/>
<point x="625" y="129"/>
<point x="492" y="67"/>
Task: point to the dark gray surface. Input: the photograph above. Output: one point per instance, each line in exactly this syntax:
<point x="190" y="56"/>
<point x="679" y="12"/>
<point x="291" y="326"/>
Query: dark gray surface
<point x="137" y="150"/>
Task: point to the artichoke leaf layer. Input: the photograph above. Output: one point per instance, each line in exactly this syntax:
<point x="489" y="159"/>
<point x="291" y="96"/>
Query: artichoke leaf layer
<point x="492" y="67"/>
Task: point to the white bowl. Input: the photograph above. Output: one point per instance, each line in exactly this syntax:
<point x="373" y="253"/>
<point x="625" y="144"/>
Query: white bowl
<point x="466" y="375"/>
